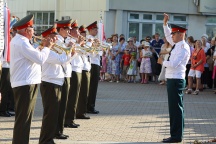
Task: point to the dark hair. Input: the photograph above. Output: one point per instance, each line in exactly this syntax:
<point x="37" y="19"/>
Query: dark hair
<point x="157" y="34"/>
<point x="114" y="35"/>
<point x="191" y="39"/>
<point x="121" y="39"/>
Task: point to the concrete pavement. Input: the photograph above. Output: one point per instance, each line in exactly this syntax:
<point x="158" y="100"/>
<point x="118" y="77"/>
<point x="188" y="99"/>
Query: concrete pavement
<point x="130" y="113"/>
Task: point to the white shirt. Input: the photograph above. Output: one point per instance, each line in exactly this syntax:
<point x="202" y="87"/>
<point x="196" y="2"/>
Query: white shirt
<point x="52" y="70"/>
<point x="95" y="57"/>
<point x="67" y="66"/>
<point x="26" y="61"/>
<point x="77" y="63"/>
<point x="180" y="55"/>
<point x="87" y="63"/>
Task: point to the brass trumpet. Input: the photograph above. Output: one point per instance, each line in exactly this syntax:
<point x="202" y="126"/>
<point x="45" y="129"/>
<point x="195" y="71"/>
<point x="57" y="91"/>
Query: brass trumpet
<point x="57" y="48"/>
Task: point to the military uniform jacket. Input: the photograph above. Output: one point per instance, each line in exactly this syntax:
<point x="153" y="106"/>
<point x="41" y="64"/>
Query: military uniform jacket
<point x="26" y="61"/>
<point x="52" y="70"/>
<point x="180" y="55"/>
<point x="95" y="57"/>
<point x="77" y="63"/>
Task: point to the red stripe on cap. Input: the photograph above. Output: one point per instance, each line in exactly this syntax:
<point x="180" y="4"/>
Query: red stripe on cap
<point x="46" y="33"/>
<point x="63" y="25"/>
<point x="178" y="30"/>
<point x="28" y="24"/>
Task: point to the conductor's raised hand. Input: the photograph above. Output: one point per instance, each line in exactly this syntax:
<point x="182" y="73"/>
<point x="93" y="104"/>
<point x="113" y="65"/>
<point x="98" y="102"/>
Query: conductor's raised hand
<point x="166" y="18"/>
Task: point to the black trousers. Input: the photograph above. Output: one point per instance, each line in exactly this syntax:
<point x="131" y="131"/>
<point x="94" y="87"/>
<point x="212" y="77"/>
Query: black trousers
<point x="95" y="73"/>
<point x="51" y="95"/>
<point x="25" y="99"/>
<point x="206" y="77"/>
<point x="75" y="84"/>
<point x="7" y="100"/>
<point x="175" y="91"/>
<point x="63" y="105"/>
<point x="83" y="95"/>
<point x="188" y="66"/>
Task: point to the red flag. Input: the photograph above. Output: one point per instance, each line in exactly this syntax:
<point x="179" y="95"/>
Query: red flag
<point x="6" y="53"/>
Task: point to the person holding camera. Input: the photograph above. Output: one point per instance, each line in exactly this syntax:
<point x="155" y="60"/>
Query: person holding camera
<point x="198" y="59"/>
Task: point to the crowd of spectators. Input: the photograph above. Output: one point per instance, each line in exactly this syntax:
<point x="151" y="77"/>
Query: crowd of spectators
<point x="133" y="61"/>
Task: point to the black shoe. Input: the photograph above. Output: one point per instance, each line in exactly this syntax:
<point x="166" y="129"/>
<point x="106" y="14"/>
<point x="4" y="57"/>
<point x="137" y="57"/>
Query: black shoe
<point x="82" y="117"/>
<point x="166" y="138"/>
<point x="5" y="114"/>
<point x="72" y="125"/>
<point x="75" y="124"/>
<point x="171" y="140"/>
<point x="67" y="136"/>
<point x="93" y="111"/>
<point x="61" y="136"/>
<point x="12" y="114"/>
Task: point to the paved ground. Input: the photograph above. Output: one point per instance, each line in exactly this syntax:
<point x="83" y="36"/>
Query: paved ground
<point x="131" y="113"/>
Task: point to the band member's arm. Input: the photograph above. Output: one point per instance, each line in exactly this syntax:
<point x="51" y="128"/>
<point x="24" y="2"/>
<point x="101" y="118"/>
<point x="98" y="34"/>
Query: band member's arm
<point x="55" y="58"/>
<point x="34" y="55"/>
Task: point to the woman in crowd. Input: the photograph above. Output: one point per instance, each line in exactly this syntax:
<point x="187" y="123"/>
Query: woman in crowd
<point x="145" y="67"/>
<point x="116" y="49"/>
<point x="191" y="43"/>
<point x="164" y="53"/>
<point x="131" y="46"/>
<point x="122" y="49"/>
<point x="139" y="59"/>
<point x="198" y="60"/>
<point x="109" y="61"/>
<point x="206" y="76"/>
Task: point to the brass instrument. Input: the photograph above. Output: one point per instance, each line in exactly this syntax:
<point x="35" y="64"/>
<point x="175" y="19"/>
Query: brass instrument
<point x="57" y="48"/>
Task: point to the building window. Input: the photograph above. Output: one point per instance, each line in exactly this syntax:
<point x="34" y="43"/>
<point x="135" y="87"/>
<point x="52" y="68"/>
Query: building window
<point x="211" y="26"/>
<point x="150" y="23"/>
<point x="147" y="17"/>
<point x="42" y="20"/>
<point x="179" y="18"/>
<point x="134" y="29"/>
<point x="134" y="16"/>
<point x="146" y="30"/>
<point x="159" y="17"/>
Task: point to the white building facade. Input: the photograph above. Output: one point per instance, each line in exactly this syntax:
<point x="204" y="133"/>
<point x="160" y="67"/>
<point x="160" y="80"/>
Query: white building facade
<point x="138" y="18"/>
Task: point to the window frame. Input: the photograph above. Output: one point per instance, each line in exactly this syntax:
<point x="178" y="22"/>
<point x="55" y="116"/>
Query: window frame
<point x="154" y="21"/>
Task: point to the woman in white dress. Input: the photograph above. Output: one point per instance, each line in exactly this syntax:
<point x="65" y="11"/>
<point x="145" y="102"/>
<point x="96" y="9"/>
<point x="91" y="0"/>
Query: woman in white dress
<point x="164" y="53"/>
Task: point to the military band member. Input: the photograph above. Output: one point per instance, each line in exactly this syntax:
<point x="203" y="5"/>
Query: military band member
<point x="77" y="66"/>
<point x="52" y="81"/>
<point x="63" y="28"/>
<point x="175" y="75"/>
<point x="7" y="98"/>
<point x="83" y="31"/>
<point x="84" y="89"/>
<point x="25" y="71"/>
<point x="95" y="71"/>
